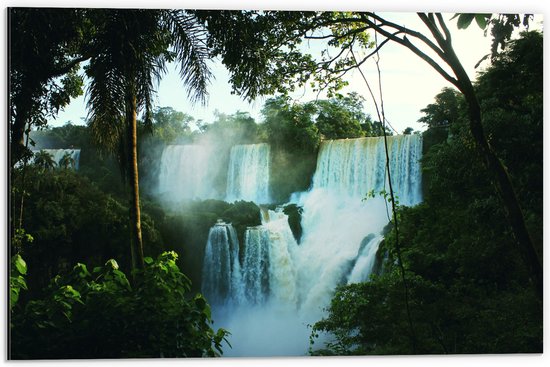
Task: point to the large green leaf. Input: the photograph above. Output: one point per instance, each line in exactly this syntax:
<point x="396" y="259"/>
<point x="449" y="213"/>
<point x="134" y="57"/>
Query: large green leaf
<point x="482" y="20"/>
<point x="20" y="264"/>
<point x="464" y="20"/>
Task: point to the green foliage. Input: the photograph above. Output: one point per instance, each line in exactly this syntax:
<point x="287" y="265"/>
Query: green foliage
<point x="291" y="125"/>
<point x="445" y="110"/>
<point x="46" y="47"/>
<point x="294" y="138"/>
<point x="18" y="270"/>
<point x="501" y="26"/>
<point x="236" y="128"/>
<point x="98" y="314"/>
<point x="97" y="167"/>
<point x="263" y="52"/>
<point x="73" y="221"/>
<point x="341" y="117"/>
<point x="469" y="290"/>
<point x="44" y="160"/>
<point x="170" y="125"/>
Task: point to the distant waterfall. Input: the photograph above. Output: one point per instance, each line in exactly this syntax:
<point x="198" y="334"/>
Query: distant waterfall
<point x="248" y="173"/>
<point x="59" y="155"/>
<point x="221" y="267"/>
<point x="184" y="172"/>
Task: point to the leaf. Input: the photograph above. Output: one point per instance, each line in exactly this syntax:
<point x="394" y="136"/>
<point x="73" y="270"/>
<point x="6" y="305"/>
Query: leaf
<point x="20" y="264"/>
<point x="148" y="260"/>
<point x="111" y="263"/>
<point x="482" y="20"/>
<point x="464" y="20"/>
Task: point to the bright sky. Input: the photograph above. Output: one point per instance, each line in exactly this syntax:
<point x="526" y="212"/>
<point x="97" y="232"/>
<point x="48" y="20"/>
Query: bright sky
<point x="408" y="83"/>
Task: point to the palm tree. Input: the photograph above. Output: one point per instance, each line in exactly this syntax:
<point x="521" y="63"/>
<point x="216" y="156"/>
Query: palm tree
<point x="132" y="48"/>
<point x="67" y="161"/>
<point x="44" y="160"/>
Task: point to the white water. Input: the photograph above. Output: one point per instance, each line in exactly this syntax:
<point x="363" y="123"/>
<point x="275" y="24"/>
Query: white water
<point x="365" y="262"/>
<point x="248" y="173"/>
<point x="185" y="173"/>
<point x="255" y="273"/>
<point x="301" y="278"/>
<point x="58" y="154"/>
<point x="221" y="268"/>
<point x="353" y="167"/>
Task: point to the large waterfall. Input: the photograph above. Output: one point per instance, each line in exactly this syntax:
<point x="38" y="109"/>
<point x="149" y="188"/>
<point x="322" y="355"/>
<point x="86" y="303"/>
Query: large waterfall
<point x="286" y="285"/>
<point x="248" y="173"/>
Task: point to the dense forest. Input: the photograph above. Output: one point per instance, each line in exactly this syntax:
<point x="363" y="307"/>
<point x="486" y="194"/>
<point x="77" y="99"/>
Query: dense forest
<point x="105" y="265"/>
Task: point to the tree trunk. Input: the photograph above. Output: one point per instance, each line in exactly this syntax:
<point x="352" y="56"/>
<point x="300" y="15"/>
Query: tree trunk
<point x="503" y="184"/>
<point x="497" y="170"/>
<point x="135" y="212"/>
<point x="17" y="138"/>
<point x="499" y="174"/>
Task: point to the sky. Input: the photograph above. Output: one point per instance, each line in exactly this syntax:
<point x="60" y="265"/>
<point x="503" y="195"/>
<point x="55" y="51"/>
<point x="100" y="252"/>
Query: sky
<point x="408" y="83"/>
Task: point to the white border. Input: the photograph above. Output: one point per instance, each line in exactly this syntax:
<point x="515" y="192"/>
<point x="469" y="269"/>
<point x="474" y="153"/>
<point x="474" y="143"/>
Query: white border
<point x="523" y="6"/>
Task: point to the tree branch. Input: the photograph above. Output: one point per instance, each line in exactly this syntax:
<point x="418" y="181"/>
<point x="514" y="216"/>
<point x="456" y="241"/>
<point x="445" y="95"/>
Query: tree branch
<point x="405" y="42"/>
<point x="66" y="68"/>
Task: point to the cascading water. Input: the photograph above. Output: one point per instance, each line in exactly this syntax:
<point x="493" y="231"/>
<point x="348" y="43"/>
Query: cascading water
<point x="221" y="267"/>
<point x="255" y="271"/>
<point x="248" y="173"/>
<point x="365" y="260"/>
<point x="185" y="174"/>
<point x="341" y="233"/>
<point x="353" y="167"/>
<point x="60" y="156"/>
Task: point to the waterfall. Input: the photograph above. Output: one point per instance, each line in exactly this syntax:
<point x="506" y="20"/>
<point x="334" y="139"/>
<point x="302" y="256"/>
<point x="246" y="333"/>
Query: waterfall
<point x="59" y="155"/>
<point x="255" y="272"/>
<point x="365" y="261"/>
<point x="288" y="283"/>
<point x="185" y="173"/>
<point x="353" y="167"/>
<point x="221" y="269"/>
<point x="248" y="173"/>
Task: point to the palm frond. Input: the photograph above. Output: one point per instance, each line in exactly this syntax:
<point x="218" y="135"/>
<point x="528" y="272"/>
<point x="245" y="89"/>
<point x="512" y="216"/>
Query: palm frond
<point x="192" y="54"/>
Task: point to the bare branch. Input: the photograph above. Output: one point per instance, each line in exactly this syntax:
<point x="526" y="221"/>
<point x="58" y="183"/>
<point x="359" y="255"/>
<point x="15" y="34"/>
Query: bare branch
<point x="444" y="27"/>
<point x="405" y="42"/>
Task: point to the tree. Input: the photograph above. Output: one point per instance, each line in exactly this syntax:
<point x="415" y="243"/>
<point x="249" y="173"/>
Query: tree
<point x="444" y="110"/>
<point x="44" y="160"/>
<point x="67" y="161"/>
<point x="130" y="51"/>
<point x="341" y="117"/>
<point x="46" y="49"/>
<point x="469" y="289"/>
<point x="99" y="314"/>
<point x="169" y="124"/>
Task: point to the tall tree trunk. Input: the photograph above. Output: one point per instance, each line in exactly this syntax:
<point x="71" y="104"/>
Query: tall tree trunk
<point x="135" y="212"/>
<point x="17" y="136"/>
<point x="497" y="170"/>
<point x="503" y="184"/>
